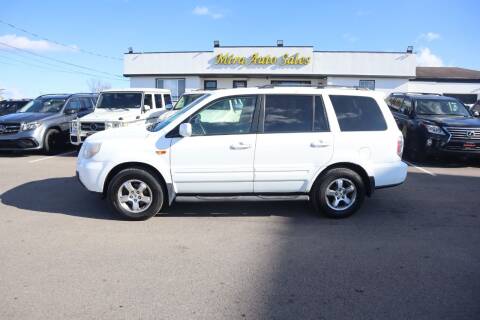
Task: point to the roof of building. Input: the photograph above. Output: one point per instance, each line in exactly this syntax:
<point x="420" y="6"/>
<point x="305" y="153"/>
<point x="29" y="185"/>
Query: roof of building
<point x="447" y="73"/>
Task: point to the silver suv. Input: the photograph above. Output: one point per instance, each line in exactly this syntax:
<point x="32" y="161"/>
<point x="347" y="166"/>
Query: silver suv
<point x="44" y="123"/>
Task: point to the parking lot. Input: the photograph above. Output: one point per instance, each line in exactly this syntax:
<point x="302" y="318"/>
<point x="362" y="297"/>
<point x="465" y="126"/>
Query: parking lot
<point x="412" y="252"/>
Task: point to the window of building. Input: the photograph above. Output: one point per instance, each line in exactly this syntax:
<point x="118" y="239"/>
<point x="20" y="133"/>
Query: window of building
<point x="291" y="83"/>
<point x="176" y="86"/>
<point x="210" y="84"/>
<point x="356" y="113"/>
<point x="367" y="84"/>
<point x="288" y="113"/>
<point x="239" y="83"/>
<point x="227" y="116"/>
<point x="465" y="98"/>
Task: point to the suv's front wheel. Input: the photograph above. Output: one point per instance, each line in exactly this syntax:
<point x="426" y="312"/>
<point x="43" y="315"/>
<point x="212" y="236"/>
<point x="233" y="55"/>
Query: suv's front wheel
<point x="136" y="194"/>
<point x="339" y="193"/>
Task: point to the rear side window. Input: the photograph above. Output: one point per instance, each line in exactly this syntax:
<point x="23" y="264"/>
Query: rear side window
<point x="168" y="101"/>
<point x="320" y="122"/>
<point x="148" y="100"/>
<point x="158" y="101"/>
<point x="355" y="113"/>
<point x="288" y="113"/>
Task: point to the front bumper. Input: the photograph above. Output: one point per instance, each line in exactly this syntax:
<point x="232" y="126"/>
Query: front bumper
<point x="91" y="174"/>
<point x="22" y="140"/>
<point x="460" y="147"/>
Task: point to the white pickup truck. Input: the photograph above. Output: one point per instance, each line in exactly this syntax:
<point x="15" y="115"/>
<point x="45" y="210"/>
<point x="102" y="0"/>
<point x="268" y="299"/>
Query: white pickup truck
<point x="120" y="108"/>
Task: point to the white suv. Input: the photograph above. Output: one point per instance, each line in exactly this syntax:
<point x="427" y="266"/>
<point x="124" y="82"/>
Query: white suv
<point x="121" y="108"/>
<point x="334" y="145"/>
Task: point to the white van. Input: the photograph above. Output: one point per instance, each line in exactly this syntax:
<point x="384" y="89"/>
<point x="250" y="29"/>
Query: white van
<point x="334" y="145"/>
<point x="120" y="108"/>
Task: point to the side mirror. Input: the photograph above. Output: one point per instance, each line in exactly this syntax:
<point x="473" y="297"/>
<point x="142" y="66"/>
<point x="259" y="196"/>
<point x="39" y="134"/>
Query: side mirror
<point x="476" y="114"/>
<point x="70" y="111"/>
<point x="146" y="107"/>
<point x="185" y="130"/>
<point x="169" y="106"/>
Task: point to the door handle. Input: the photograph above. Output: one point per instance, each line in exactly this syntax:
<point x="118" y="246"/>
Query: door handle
<point x="319" y="144"/>
<point x="240" y="146"/>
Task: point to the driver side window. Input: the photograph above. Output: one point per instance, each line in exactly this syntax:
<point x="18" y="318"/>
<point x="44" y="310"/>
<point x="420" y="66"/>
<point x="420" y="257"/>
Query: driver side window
<point x="227" y="116"/>
<point x="73" y="104"/>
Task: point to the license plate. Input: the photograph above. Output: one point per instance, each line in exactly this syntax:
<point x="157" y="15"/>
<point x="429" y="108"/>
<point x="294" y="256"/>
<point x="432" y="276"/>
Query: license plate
<point x="467" y="145"/>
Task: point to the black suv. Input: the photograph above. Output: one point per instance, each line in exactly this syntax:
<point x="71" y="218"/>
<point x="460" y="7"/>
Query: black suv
<point x="434" y="124"/>
<point x="11" y="106"/>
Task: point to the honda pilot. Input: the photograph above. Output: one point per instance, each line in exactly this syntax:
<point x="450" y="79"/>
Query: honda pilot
<point x="334" y="145"/>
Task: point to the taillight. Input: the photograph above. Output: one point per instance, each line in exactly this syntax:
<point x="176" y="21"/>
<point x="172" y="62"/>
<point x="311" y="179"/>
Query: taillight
<point x="400" y="146"/>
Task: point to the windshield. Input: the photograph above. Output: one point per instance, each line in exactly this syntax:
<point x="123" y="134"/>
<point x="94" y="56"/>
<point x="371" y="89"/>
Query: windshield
<point x="160" y="125"/>
<point x="120" y="100"/>
<point x="44" y="105"/>
<point x="186" y="99"/>
<point x="441" y="107"/>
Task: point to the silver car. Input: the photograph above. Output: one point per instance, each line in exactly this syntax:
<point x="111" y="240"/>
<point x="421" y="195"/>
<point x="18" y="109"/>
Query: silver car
<point x="44" y="123"/>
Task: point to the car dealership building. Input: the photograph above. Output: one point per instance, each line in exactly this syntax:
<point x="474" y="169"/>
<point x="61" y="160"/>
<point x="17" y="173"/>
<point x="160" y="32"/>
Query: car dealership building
<point x="241" y="66"/>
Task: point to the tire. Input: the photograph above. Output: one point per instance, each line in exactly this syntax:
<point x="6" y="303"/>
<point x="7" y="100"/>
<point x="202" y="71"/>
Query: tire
<point x="52" y="141"/>
<point x="328" y="183"/>
<point x="128" y="185"/>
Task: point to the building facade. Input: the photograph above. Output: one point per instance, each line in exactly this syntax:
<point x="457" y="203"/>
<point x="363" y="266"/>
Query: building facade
<point x="230" y="67"/>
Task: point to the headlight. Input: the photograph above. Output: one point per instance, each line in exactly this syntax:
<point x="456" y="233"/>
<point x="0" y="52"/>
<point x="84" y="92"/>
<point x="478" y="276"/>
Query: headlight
<point x="74" y="124"/>
<point x="30" y="126"/>
<point x="434" y="129"/>
<point x="91" y="149"/>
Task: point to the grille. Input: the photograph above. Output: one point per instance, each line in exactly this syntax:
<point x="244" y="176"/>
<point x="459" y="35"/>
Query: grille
<point x="92" y="126"/>
<point x="9" y="128"/>
<point x="464" y="133"/>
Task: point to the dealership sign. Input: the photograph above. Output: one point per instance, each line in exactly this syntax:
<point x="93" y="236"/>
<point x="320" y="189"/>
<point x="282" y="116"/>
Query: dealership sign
<point x="257" y="59"/>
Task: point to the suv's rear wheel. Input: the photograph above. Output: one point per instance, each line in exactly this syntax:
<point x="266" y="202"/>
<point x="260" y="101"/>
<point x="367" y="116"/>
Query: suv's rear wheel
<point x="136" y="194"/>
<point x="339" y="193"/>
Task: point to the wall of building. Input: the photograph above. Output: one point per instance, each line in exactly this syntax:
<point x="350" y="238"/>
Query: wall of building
<point x="444" y="87"/>
<point x="380" y="64"/>
<point x="387" y="85"/>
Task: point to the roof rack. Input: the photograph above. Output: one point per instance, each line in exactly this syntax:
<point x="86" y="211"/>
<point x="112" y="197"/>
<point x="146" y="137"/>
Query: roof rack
<point x="417" y="93"/>
<point x="270" y="86"/>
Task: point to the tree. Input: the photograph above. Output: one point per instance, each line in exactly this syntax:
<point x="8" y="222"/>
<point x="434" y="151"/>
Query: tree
<point x="95" y="85"/>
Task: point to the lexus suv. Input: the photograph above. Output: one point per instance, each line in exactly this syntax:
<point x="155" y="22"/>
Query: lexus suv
<point x="334" y="145"/>
<point x="434" y="124"/>
<point x="43" y="123"/>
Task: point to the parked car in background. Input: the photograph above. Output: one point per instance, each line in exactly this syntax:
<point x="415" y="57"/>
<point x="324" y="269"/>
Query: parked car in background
<point x="434" y="124"/>
<point x="476" y="109"/>
<point x="121" y="108"/>
<point x="185" y="100"/>
<point x="43" y="123"/>
<point x="12" y="106"/>
<point x="334" y="145"/>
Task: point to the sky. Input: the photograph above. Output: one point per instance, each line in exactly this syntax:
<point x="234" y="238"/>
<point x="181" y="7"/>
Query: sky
<point x="64" y="46"/>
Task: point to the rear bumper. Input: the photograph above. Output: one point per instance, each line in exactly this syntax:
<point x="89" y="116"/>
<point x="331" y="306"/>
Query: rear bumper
<point x="390" y="174"/>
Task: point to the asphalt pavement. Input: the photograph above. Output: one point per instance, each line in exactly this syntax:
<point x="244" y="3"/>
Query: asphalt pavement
<point x="411" y="252"/>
